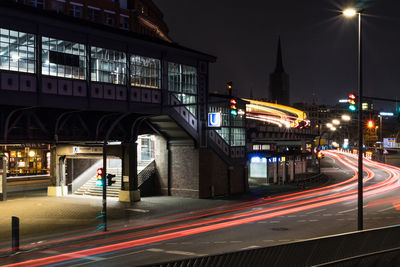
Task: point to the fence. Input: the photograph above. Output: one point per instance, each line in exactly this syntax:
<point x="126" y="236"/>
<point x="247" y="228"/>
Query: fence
<point x="377" y="247"/>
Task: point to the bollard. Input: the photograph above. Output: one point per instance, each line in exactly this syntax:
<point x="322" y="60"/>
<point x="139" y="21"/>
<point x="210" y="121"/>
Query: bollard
<point x="15" y="233"/>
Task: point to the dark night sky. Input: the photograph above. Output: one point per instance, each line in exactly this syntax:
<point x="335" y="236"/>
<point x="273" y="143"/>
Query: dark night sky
<point x="319" y="45"/>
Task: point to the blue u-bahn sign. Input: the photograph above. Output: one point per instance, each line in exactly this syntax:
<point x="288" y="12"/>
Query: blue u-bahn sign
<point x="214" y="119"/>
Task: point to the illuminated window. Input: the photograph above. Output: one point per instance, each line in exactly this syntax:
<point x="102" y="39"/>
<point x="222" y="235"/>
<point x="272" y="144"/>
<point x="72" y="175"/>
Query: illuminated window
<point x="145" y="72"/>
<point x="63" y="58"/>
<point x="17" y="51"/>
<point x="182" y="79"/>
<point x="108" y="66"/>
<point x="266" y="147"/>
<point x="238" y="137"/>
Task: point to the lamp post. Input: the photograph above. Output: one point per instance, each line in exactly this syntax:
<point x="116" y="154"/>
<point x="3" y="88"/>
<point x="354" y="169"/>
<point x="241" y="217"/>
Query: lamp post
<point x="351" y="12"/>
<point x="380" y="131"/>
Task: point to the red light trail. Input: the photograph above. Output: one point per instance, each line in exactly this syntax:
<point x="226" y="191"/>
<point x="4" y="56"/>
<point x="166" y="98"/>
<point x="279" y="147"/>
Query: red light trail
<point x="289" y="203"/>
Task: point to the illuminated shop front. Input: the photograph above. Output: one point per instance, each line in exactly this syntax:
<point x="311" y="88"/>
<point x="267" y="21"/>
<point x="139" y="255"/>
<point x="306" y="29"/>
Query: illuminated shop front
<point x="27" y="160"/>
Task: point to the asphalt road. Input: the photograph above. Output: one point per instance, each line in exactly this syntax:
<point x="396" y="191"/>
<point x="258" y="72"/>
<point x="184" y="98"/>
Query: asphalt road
<point x="330" y="209"/>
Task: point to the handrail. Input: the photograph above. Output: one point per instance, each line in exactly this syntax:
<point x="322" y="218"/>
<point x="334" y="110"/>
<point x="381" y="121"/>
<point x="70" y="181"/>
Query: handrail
<point x="357" y="257"/>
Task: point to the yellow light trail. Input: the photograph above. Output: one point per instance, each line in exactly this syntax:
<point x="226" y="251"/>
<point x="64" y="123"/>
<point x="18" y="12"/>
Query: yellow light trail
<point x="283" y="114"/>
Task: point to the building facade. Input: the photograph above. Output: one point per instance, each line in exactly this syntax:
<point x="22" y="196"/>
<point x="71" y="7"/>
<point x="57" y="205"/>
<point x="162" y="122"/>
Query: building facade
<point x="139" y="16"/>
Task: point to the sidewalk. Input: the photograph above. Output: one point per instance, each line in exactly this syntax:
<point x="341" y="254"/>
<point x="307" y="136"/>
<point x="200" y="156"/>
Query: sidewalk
<point x="48" y="217"/>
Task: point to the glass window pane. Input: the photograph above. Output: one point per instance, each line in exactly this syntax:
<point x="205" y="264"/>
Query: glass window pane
<point x="17" y="49"/>
<point x="60" y="57"/>
<point x="108" y="66"/>
<point x="144" y="70"/>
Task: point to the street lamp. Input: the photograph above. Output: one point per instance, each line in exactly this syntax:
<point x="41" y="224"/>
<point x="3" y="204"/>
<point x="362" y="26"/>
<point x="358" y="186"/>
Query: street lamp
<point x="351" y="12"/>
<point x="336" y="122"/>
<point x="346" y="117"/>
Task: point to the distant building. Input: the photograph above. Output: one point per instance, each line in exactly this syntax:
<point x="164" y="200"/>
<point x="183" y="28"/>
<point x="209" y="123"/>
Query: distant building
<point x="279" y="81"/>
<point x="140" y="16"/>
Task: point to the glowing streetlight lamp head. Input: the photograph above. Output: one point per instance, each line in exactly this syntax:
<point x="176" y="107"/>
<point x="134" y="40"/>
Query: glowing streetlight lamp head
<point x="346" y="117"/>
<point x="349" y="12"/>
<point x="336" y="122"/>
<point x="329" y="125"/>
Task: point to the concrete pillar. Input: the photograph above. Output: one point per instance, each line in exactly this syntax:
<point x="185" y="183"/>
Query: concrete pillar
<point x="130" y="192"/>
<point x="276" y="168"/>
<point x="57" y="174"/>
<point x="291" y="169"/>
<point x="3" y="178"/>
<point x="59" y="187"/>
<point x="283" y="172"/>
<point x="314" y="156"/>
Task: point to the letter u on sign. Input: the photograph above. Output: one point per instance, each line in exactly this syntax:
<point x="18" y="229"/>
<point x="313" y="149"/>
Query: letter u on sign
<point x="214" y="119"/>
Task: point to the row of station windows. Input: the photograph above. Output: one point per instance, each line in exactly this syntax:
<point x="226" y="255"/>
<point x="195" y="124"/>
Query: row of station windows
<point x="69" y="60"/>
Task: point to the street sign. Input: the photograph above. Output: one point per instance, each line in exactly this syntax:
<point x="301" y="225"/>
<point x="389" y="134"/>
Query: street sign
<point x="214" y="119"/>
<point x="388" y="114"/>
<point x="87" y="150"/>
<point x="389" y="142"/>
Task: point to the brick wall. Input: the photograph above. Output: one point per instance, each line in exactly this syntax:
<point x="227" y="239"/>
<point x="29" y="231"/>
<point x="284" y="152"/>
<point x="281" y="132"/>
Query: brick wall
<point x="184" y="171"/>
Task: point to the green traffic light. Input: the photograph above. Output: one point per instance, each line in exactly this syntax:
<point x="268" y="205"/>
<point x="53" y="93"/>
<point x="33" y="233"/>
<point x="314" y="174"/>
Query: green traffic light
<point x="352" y="107"/>
<point x="234" y="112"/>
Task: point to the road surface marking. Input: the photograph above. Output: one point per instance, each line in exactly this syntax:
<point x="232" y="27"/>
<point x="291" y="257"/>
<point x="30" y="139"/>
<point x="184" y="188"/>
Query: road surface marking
<point x="291" y="216"/>
<point x="186" y="243"/>
<point x="139" y="210"/>
<point x="155" y="249"/>
<point x="235" y="242"/>
<point x="315" y="211"/>
<point x="340" y="219"/>
<point x="274" y="222"/>
<point x="268" y="240"/>
<point x="345" y="211"/>
<point x="249" y="247"/>
<point x="327" y="215"/>
<point x="171" y="243"/>
<point x="108" y="258"/>
<point x="219" y="242"/>
<point x="262" y="222"/>
<point x="284" y="240"/>
<point x="186" y="253"/>
<point x="301" y="220"/>
<point x="386" y="209"/>
<point x="313" y="220"/>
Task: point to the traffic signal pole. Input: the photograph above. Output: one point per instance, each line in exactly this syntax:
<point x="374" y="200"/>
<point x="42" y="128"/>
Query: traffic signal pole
<point x="104" y="212"/>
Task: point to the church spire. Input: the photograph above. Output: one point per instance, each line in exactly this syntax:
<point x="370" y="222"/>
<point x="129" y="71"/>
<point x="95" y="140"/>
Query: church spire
<point x="279" y="61"/>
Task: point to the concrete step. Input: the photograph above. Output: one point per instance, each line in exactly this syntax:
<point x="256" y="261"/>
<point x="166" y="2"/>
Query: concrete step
<point x="90" y="188"/>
